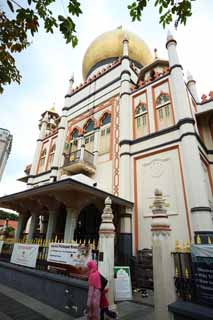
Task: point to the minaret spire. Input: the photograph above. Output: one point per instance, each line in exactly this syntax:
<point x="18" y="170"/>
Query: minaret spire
<point x="71" y="82"/>
<point x="191" y="84"/>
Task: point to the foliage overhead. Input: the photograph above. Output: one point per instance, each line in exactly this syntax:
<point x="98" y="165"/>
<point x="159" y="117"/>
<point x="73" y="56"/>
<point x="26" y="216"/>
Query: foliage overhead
<point x="6" y="215"/>
<point x="179" y="10"/>
<point x="22" y="22"/>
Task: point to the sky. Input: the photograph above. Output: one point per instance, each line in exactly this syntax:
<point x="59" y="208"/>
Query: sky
<point x="48" y="63"/>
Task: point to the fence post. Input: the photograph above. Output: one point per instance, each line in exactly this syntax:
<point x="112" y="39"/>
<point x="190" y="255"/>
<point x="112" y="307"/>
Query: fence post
<point x="163" y="268"/>
<point x="106" y="248"/>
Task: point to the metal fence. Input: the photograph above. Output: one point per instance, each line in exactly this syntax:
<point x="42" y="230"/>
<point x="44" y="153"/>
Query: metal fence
<point x="42" y="263"/>
<point x="185" y="275"/>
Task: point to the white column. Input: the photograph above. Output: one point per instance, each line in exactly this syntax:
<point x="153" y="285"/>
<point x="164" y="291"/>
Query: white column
<point x="21" y="220"/>
<point x="125" y="237"/>
<point x="163" y="265"/>
<point x="179" y="91"/>
<point x="51" y="224"/>
<point x="32" y="226"/>
<point x="126" y="221"/>
<point x="191" y="84"/>
<point x="195" y="183"/>
<point x="58" y="158"/>
<point x="44" y="223"/>
<point x="38" y="146"/>
<point x="125" y="125"/>
<point x="70" y="224"/>
<point x="106" y="247"/>
<point x="96" y="144"/>
<point x="192" y="167"/>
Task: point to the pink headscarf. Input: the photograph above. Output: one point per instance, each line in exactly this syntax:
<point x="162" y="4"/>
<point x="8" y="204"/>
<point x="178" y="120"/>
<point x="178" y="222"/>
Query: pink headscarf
<point x="94" y="279"/>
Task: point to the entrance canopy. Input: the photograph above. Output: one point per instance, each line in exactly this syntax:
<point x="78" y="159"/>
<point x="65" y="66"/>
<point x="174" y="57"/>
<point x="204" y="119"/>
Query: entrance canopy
<point x="69" y="192"/>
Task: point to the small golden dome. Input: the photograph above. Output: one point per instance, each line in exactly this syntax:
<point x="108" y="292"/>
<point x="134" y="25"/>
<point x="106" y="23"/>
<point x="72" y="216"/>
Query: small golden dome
<point x="110" y="45"/>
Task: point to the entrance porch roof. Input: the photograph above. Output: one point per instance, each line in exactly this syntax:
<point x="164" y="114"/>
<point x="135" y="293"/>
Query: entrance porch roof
<point x="69" y="192"/>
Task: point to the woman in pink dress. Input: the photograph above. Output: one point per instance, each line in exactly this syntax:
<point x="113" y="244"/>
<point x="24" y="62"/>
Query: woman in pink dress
<point x="94" y="293"/>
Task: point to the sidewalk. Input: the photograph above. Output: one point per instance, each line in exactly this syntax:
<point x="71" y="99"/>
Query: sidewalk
<point x="15" y="305"/>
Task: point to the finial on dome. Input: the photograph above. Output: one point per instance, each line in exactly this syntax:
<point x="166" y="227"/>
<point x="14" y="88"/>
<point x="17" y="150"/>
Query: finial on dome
<point x="156" y="53"/>
<point x="53" y="108"/>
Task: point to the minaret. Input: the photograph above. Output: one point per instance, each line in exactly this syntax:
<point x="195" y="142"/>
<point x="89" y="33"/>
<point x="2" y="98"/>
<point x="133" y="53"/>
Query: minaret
<point x="43" y="128"/>
<point x="125" y="124"/>
<point x="71" y="82"/>
<point x="191" y="84"/>
<point x="58" y="157"/>
<point x="180" y="98"/>
<point x="200" y="216"/>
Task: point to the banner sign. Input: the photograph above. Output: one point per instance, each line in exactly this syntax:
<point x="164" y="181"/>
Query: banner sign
<point x="25" y="254"/>
<point x="1" y="245"/>
<point x="123" y="286"/>
<point x="202" y="265"/>
<point x="70" y="254"/>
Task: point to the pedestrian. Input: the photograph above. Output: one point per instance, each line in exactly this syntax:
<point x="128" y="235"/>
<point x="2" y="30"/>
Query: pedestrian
<point x="94" y="293"/>
<point x="105" y="306"/>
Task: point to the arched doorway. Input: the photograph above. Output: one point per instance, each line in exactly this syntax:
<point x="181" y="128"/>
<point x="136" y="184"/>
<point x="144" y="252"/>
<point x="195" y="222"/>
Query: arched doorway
<point x="88" y="224"/>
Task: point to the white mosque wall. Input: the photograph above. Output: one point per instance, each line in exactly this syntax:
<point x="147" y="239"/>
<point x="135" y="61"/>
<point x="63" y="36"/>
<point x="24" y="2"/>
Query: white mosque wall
<point x="155" y="142"/>
<point x="97" y="99"/>
<point x="102" y="83"/>
<point x="160" y="169"/>
<point x="103" y="176"/>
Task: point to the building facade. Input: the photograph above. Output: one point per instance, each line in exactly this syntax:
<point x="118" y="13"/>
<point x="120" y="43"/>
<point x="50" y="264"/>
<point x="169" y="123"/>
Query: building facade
<point x="134" y="125"/>
<point x="5" y="148"/>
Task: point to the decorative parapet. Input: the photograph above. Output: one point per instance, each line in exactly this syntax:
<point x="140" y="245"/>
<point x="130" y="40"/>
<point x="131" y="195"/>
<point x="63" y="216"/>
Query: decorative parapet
<point x="156" y="76"/>
<point x="94" y="77"/>
<point x="205" y="98"/>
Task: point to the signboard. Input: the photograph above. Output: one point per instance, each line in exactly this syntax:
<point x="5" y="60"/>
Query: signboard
<point x="25" y="254"/>
<point x="70" y="254"/>
<point x="1" y="245"/>
<point x="202" y="265"/>
<point x="123" y="287"/>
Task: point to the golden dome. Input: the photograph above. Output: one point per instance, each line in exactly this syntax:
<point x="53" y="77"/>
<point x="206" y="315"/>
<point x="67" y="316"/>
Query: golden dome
<point x="110" y="45"/>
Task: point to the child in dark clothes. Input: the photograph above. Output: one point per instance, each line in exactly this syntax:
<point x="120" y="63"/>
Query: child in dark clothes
<point x="104" y="304"/>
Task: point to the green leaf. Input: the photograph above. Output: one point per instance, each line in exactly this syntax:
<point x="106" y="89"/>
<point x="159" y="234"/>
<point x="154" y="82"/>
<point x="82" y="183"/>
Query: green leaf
<point x="10" y="5"/>
<point x="61" y="18"/>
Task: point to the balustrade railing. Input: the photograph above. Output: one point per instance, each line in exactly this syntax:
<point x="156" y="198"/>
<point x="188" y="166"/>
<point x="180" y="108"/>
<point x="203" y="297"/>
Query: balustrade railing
<point x="79" y="155"/>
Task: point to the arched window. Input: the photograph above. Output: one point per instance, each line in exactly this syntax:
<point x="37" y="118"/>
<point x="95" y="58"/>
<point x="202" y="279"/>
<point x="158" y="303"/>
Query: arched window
<point x="89" y="126"/>
<point x="164" y="111"/>
<point x="141" y="120"/>
<point x="51" y="156"/>
<point x="42" y="161"/>
<point x="104" y="145"/>
<point x="89" y="135"/>
<point x="74" y="141"/>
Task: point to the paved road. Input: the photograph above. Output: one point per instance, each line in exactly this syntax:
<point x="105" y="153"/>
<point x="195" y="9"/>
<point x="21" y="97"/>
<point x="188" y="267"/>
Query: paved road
<point x="15" y="305"/>
<point x="13" y="310"/>
<point x="135" y="311"/>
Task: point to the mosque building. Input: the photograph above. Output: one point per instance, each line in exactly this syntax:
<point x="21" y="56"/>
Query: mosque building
<point x="132" y="126"/>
